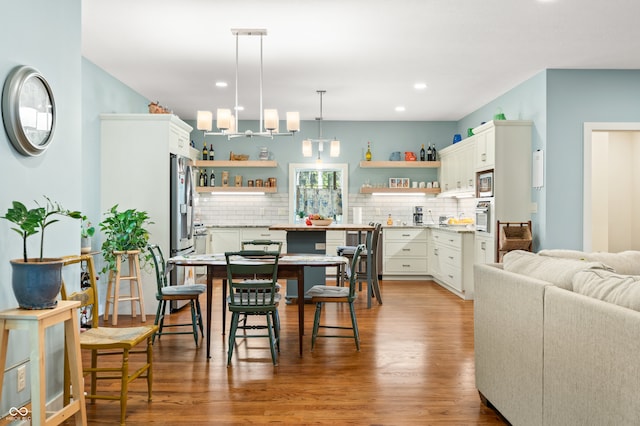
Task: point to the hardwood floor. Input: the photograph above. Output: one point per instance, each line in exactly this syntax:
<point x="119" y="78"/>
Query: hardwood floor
<point x="415" y="366"/>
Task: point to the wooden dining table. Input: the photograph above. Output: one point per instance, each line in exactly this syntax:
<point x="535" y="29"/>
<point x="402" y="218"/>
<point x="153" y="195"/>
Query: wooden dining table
<point x="290" y="266"/>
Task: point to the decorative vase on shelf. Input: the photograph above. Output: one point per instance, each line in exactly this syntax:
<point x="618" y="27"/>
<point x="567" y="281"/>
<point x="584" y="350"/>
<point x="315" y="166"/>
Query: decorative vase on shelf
<point x="85" y="245"/>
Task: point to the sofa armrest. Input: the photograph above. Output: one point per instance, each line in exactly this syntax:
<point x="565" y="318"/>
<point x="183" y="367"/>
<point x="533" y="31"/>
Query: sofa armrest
<point x="591" y="361"/>
<point x="508" y="335"/>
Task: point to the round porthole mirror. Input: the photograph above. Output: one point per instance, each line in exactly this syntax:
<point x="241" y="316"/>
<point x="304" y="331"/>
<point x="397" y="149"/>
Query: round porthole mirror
<point x="28" y="110"/>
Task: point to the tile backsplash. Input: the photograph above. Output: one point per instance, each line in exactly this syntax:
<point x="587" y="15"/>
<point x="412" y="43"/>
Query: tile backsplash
<point x="264" y="210"/>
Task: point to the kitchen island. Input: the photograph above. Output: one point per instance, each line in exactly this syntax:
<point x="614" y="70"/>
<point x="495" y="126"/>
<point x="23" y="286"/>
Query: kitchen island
<point x="312" y="239"/>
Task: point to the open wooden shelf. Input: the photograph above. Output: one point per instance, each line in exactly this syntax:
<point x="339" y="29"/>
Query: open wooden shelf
<point x="229" y="163"/>
<point x="243" y="189"/>
<point x="434" y="191"/>
<point x="400" y="164"/>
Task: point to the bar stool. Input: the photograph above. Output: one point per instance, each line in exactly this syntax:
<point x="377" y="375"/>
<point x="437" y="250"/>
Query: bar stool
<point x="115" y="278"/>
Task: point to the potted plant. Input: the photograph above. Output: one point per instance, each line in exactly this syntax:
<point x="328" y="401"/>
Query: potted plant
<point x="36" y="282"/>
<point x="86" y="232"/>
<point x="124" y="231"/>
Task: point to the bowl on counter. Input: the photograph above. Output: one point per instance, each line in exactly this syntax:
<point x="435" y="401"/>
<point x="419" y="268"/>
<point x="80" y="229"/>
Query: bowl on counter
<point x="321" y="222"/>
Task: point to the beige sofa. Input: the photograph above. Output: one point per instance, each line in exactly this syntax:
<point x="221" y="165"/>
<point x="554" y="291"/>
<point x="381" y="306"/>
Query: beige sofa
<point x="547" y="355"/>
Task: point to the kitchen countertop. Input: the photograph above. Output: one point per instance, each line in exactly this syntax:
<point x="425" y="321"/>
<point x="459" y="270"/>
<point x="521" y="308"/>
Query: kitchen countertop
<point x="347" y="227"/>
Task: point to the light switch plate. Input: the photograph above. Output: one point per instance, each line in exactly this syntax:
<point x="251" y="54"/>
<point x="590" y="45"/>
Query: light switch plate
<point x="321" y="246"/>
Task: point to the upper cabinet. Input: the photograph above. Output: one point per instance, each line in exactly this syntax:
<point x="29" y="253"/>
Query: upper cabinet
<point x="485" y="156"/>
<point x="457" y="174"/>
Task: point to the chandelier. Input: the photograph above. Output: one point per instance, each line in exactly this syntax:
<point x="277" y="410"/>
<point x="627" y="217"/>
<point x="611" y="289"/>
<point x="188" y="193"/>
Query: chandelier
<point x="307" y="144"/>
<point x="227" y="122"/>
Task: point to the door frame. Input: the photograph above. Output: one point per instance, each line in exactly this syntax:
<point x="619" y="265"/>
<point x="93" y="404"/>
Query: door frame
<point x="589" y="128"/>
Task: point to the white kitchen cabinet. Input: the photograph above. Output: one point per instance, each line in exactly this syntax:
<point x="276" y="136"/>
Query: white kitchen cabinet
<point x="224" y="239"/>
<point x="404" y="251"/>
<point x="485" y="249"/>
<point x="249" y="234"/>
<point x="451" y="260"/>
<point x="334" y="239"/>
<point x="485" y="157"/>
<point x="457" y="173"/>
<point x="230" y="239"/>
<point x="134" y="174"/>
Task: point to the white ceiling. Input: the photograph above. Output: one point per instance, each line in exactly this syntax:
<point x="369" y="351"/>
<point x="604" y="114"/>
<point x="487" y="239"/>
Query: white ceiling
<point x="367" y="54"/>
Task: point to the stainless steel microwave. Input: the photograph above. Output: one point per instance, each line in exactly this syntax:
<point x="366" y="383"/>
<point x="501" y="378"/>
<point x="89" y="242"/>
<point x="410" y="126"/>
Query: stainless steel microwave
<point x="485" y="184"/>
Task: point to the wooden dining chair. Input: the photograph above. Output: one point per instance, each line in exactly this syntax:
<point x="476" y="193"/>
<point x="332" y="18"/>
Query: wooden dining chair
<point x="363" y="266"/>
<point x="110" y="342"/>
<point x="166" y="293"/>
<point x="251" y="276"/>
<point x="321" y="294"/>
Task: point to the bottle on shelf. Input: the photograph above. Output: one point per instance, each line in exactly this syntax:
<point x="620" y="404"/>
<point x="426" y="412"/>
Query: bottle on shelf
<point x="389" y="220"/>
<point x="429" y="153"/>
<point x="367" y="156"/>
<point x="201" y="179"/>
<point x="212" y="153"/>
<point x="434" y="155"/>
<point x="212" y="179"/>
<point x="205" y="178"/>
<point x="205" y="152"/>
<point x="422" y="153"/>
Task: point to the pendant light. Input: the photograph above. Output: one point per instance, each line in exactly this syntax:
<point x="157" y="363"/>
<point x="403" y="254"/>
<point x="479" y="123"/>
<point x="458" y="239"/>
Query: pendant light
<point x="307" y="144"/>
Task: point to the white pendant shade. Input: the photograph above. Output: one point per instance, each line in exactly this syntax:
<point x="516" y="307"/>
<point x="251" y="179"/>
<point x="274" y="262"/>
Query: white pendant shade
<point x="271" y="119"/>
<point x="205" y="120"/>
<point x="293" y="121"/>
<point x="223" y="121"/>
<point x="307" y="148"/>
<point x="334" y="151"/>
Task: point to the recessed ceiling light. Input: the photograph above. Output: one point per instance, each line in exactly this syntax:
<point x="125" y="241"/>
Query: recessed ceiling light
<point x="221" y="84"/>
<point x="399" y="108"/>
<point x="239" y="108"/>
<point x="420" y="86"/>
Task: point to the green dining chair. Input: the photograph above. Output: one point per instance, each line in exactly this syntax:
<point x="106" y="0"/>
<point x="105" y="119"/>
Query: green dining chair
<point x="251" y="277"/>
<point x="321" y="294"/>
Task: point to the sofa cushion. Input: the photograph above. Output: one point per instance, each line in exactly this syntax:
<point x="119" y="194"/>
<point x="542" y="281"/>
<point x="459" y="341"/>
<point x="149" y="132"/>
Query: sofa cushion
<point x="622" y="290"/>
<point x="624" y="262"/>
<point x="556" y="270"/>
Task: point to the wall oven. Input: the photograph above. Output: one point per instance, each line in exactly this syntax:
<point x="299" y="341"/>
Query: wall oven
<point x="485" y="184"/>
<point x="483" y="215"/>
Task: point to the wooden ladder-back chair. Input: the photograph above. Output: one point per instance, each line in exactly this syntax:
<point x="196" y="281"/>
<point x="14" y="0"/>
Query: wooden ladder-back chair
<point x="321" y="294"/>
<point x="166" y="293"/>
<point x="110" y="341"/>
<point x="251" y="276"/>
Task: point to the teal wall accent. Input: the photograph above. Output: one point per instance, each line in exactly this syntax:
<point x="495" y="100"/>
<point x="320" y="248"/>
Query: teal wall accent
<point x="101" y="93"/>
<point x="527" y="101"/>
<point x="385" y="137"/>
<point x="576" y="97"/>
<point x="46" y="35"/>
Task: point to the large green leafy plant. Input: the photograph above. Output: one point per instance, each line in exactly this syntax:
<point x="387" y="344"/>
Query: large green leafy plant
<point x="31" y="221"/>
<point x="123" y="231"/>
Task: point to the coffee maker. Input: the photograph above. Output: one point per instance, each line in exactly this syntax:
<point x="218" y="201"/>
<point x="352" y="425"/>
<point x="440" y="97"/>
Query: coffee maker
<point x="417" y="215"/>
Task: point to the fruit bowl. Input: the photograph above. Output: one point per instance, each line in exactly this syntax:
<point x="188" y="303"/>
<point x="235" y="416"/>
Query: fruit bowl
<point x="321" y="222"/>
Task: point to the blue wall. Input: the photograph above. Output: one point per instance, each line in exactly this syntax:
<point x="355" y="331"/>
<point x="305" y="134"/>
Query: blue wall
<point x="385" y="137"/>
<point x="576" y="97"/>
<point x="46" y="35"/>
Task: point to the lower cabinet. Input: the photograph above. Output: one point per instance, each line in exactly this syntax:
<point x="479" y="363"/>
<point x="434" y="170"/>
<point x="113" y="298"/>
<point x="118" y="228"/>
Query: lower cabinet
<point x="334" y="239"/>
<point x="485" y="249"/>
<point x="404" y="251"/>
<point x="451" y="257"/>
<point x="229" y="239"/>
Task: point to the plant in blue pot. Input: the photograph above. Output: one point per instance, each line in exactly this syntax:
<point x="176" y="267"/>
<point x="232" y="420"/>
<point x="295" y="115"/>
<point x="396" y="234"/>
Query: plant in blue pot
<point x="36" y="281"/>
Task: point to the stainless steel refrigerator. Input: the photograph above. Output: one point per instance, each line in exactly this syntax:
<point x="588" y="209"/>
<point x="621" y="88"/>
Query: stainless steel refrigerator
<point x="182" y="191"/>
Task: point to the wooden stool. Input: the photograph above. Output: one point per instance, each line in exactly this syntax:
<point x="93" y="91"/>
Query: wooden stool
<point x="35" y="322"/>
<point x="114" y="281"/>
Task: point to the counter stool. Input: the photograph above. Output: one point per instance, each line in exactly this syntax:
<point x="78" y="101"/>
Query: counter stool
<point x="115" y="278"/>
